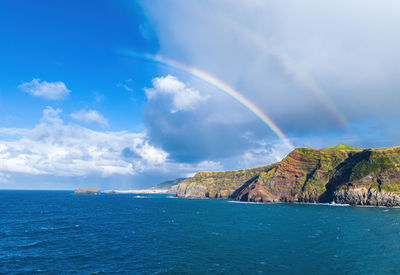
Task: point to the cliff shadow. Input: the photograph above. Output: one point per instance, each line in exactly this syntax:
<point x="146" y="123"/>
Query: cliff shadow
<point x="342" y="174"/>
<point x="244" y="186"/>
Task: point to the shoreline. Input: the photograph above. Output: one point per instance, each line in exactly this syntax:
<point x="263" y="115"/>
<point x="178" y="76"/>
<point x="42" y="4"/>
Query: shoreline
<point x="138" y="191"/>
<point x="297" y="203"/>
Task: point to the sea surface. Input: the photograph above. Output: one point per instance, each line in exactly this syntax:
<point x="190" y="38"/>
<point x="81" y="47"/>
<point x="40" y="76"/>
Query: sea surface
<point x="52" y="232"/>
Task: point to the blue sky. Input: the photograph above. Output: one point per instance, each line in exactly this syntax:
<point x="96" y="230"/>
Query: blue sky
<point x="77" y="44"/>
<point x="77" y="110"/>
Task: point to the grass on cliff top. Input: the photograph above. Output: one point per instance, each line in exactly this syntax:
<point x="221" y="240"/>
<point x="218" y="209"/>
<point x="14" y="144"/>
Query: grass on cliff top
<point x="387" y="149"/>
<point x="342" y="147"/>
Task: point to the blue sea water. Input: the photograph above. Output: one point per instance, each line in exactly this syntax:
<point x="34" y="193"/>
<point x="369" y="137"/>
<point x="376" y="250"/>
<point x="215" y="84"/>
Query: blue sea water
<point x="51" y="232"/>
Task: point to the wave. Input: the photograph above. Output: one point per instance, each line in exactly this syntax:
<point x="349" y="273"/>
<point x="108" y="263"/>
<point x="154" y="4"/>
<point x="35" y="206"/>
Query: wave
<point x="333" y="204"/>
<point x="307" y="203"/>
<point x="253" y="202"/>
<point x="142" y="197"/>
<point x="377" y="206"/>
<point x="29" y="245"/>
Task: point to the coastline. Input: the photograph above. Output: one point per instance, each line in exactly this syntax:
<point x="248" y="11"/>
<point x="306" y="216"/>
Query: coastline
<point x="298" y="203"/>
<point x="138" y="191"/>
<point x="230" y="200"/>
<point x="340" y="174"/>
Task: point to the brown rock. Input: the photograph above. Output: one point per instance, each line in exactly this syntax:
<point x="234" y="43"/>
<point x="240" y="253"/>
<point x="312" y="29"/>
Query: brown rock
<point x="86" y="191"/>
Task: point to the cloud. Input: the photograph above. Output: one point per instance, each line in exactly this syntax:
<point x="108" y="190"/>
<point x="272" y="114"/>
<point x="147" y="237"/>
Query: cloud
<point x="53" y="148"/>
<point x="124" y="85"/>
<point x="127" y="88"/>
<point x="48" y="90"/>
<point x="261" y="153"/>
<point x="289" y="58"/>
<point x="189" y="170"/>
<point x="212" y="131"/>
<point x="4" y="178"/>
<point x="277" y="54"/>
<point x="149" y="153"/>
<point x="63" y="155"/>
<point x="90" y="116"/>
<point x="98" y="97"/>
<point x="184" y="98"/>
<point x="12" y="132"/>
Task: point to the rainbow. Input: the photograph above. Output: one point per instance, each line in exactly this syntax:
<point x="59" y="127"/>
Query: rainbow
<point x="217" y="83"/>
<point x="301" y="77"/>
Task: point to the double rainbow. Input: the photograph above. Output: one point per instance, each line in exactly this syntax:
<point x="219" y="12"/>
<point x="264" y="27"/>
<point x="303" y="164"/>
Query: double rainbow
<point x="220" y="85"/>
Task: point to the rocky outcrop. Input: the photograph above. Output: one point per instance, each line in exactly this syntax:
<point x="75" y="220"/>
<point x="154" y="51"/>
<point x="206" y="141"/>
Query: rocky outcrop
<point x="363" y="196"/>
<point x="190" y="190"/>
<point x="342" y="174"/>
<point x="87" y="191"/>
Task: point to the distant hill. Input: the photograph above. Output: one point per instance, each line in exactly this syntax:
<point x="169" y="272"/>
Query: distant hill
<point x="342" y="147"/>
<point x="166" y="185"/>
<point x="340" y="174"/>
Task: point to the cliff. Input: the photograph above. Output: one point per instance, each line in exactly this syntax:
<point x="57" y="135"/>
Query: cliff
<point x="216" y="184"/>
<point x="342" y="174"/>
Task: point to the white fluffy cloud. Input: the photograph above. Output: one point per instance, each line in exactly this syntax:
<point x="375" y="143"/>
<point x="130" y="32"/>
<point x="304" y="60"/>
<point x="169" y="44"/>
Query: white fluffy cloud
<point x="184" y="98"/>
<point x="90" y="116"/>
<point x="49" y="90"/>
<point x="56" y="150"/>
<point x="53" y="148"/>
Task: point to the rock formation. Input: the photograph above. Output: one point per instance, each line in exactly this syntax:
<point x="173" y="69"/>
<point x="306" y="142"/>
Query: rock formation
<point x="87" y="191"/>
<point x="340" y="174"/>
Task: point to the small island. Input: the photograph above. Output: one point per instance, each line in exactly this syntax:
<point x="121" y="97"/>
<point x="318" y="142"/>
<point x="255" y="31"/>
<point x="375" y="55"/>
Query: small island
<point x="86" y="191"/>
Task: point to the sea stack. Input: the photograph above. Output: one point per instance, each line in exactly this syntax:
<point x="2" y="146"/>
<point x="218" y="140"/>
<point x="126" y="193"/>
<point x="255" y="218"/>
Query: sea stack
<point x="92" y="191"/>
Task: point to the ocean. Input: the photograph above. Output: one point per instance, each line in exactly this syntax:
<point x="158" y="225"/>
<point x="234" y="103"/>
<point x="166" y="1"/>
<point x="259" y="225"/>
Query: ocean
<point x="52" y="232"/>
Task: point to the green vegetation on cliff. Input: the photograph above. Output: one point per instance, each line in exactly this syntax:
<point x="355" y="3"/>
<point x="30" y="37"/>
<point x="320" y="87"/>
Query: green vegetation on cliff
<point x="342" y="147"/>
<point x="343" y="173"/>
<point x="217" y="184"/>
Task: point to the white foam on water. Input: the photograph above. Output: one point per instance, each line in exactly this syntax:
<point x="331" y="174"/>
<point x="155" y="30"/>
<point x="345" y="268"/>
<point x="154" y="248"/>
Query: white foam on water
<point x="307" y="203"/>
<point x="252" y="202"/>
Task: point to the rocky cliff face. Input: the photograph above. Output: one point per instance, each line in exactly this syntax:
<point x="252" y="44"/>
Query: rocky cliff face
<point x="216" y="184"/>
<point x="342" y="174"/>
<point x="364" y="196"/>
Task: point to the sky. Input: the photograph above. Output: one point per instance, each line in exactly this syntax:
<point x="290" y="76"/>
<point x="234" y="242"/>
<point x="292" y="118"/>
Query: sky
<point x="126" y="94"/>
